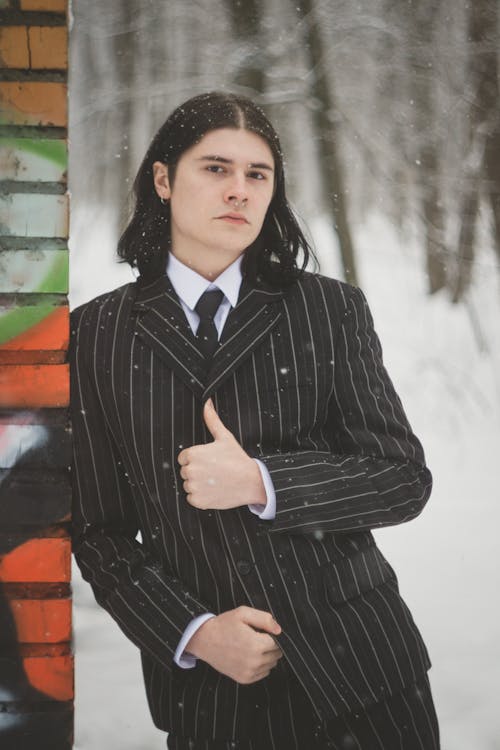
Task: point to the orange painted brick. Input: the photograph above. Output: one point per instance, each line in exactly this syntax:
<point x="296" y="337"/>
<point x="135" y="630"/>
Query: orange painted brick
<point x="42" y="620"/>
<point x="37" y="561"/>
<point x="57" y="6"/>
<point x="31" y="356"/>
<point x="33" y="103"/>
<point x="48" y="47"/>
<point x="52" y="332"/>
<point x="52" y="675"/>
<point x="14" y="51"/>
<point x="34" y="386"/>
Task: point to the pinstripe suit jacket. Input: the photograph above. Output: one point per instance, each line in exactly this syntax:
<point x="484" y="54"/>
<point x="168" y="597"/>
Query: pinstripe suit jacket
<point x="299" y="380"/>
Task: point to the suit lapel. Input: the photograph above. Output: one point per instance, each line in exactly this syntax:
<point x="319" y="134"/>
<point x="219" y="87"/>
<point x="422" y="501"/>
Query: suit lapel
<point x="162" y="325"/>
<point x="257" y="312"/>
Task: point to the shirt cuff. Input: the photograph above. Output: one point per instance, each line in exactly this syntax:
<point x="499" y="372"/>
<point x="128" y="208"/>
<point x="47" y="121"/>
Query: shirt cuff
<point x="265" y="512"/>
<point x="187" y="660"/>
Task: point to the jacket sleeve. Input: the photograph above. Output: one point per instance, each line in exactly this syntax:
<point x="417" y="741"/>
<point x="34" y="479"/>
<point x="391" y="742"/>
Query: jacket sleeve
<point x="152" y="607"/>
<point x="375" y="475"/>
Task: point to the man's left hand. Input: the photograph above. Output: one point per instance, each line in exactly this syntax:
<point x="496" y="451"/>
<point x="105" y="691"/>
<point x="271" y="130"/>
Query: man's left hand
<point x="220" y="475"/>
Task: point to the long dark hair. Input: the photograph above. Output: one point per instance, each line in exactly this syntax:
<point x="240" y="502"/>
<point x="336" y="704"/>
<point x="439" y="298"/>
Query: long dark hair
<point x="145" y="242"/>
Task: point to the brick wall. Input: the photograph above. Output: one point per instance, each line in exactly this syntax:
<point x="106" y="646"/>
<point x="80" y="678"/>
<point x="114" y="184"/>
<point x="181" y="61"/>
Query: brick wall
<point x="36" y="666"/>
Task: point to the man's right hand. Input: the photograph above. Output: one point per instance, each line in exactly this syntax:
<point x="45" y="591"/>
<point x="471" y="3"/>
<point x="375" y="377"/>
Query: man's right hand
<point x="237" y="644"/>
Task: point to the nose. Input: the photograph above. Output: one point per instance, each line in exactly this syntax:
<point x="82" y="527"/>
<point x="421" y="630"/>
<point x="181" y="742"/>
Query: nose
<point x="236" y="192"/>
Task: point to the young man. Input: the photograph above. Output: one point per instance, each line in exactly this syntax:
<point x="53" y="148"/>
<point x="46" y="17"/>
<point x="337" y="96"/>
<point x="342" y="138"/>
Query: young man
<point x="235" y="410"/>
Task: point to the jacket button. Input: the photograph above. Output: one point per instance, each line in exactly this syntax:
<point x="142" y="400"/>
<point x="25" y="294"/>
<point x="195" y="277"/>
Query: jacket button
<point x="244" y="567"/>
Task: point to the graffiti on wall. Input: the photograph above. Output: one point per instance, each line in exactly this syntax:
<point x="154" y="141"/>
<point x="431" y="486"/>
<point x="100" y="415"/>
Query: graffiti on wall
<point x="36" y="663"/>
<point x="35" y="605"/>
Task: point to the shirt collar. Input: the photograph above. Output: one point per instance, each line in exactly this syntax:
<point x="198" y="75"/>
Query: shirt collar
<point x="189" y="285"/>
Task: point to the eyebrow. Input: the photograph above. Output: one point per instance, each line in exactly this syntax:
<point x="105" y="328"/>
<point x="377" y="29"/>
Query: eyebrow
<point x="223" y="160"/>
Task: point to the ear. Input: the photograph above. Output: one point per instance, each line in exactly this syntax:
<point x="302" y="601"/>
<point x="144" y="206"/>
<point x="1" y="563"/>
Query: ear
<point x="160" y="179"/>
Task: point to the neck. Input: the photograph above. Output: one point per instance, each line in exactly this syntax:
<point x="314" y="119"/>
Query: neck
<point x="210" y="267"/>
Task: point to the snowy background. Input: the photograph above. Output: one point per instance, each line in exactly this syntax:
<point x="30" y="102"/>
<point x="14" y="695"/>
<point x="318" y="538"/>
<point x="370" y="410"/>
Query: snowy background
<point x="411" y="113"/>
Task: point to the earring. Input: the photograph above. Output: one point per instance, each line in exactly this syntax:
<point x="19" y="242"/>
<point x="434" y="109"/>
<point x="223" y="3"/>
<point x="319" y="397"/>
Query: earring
<point x="163" y="201"/>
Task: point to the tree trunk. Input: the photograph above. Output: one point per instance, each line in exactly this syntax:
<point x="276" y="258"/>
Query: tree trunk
<point x="331" y="173"/>
<point x="422" y="25"/>
<point x="434" y="224"/>
<point x="245" y="19"/>
<point x="492" y="157"/>
<point x="120" y="122"/>
<point x="482" y="26"/>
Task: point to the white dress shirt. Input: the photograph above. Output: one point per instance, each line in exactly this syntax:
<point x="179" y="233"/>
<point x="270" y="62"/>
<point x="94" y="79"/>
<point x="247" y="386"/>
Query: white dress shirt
<point x="189" y="286"/>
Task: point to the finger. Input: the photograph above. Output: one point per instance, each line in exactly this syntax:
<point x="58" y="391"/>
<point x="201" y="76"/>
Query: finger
<point x="182" y="458"/>
<point x="213" y="422"/>
<point x="260" y="674"/>
<point x="195" y="501"/>
<point x="267" y="666"/>
<point x="260" y="620"/>
<point x="269" y="660"/>
<point x="187" y="472"/>
<point x="271" y="653"/>
<point x="273" y="650"/>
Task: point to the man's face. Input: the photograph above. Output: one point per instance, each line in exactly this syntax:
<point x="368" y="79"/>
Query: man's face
<point x="222" y="189"/>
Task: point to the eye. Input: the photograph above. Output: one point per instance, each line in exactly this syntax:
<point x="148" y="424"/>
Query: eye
<point x="215" y="168"/>
<point x="257" y="175"/>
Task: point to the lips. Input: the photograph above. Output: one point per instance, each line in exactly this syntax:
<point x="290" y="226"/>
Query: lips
<point x="234" y="218"/>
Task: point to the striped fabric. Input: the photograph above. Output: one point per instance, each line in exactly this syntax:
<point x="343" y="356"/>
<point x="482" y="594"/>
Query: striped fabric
<point x="405" y="721"/>
<point x="299" y="380"/>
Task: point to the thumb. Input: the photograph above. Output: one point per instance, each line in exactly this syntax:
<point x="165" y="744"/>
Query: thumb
<point x="213" y="422"/>
<point x="261" y="620"/>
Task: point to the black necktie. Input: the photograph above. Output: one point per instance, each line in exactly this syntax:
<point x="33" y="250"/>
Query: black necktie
<point x="206" y="307"/>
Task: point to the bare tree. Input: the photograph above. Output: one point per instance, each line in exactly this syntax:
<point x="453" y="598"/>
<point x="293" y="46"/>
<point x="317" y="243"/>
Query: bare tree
<point x="421" y="46"/>
<point x="325" y="114"/>
<point x="482" y="96"/>
<point x="245" y="17"/>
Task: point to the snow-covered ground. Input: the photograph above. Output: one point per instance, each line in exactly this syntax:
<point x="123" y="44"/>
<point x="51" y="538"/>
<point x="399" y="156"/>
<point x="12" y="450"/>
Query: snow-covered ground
<point x="445" y="362"/>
